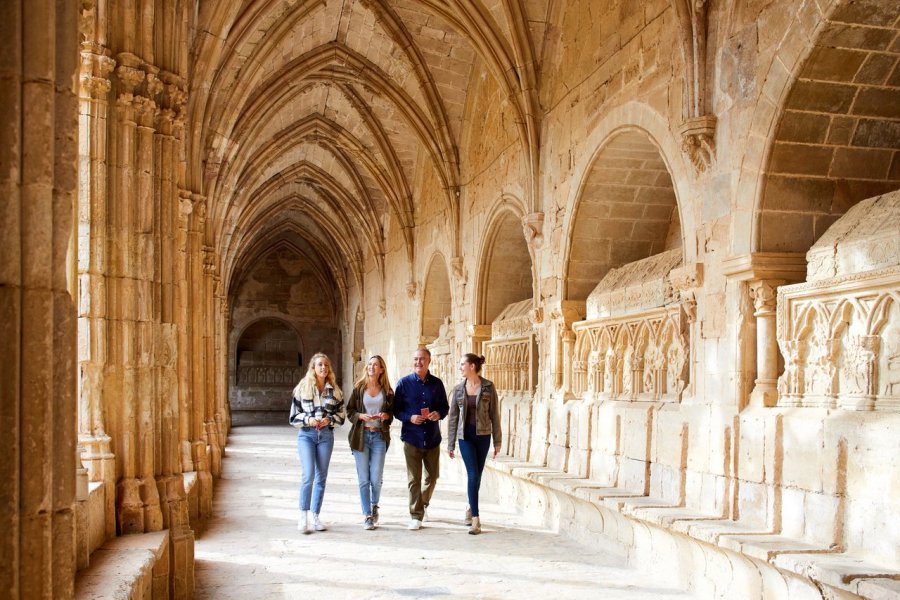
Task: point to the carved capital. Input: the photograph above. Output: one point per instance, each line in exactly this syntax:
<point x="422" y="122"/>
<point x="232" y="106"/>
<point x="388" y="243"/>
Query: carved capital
<point x="360" y="315"/>
<point x="536" y="316"/>
<point x="533" y="228"/>
<point x="765" y="294"/>
<point x="128" y="76"/>
<point x="698" y="140"/>
<point x="411" y="288"/>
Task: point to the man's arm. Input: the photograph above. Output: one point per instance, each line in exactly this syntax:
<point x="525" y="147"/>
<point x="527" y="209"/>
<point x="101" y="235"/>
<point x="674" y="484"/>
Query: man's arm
<point x="401" y="408"/>
<point x="440" y="403"/>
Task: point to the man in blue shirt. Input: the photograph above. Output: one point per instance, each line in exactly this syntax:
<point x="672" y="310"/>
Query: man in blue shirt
<point x="420" y="402"/>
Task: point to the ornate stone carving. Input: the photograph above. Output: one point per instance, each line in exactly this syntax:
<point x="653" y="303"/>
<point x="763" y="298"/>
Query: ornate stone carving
<point x="533" y="228"/>
<point x="698" y="141"/>
<point x="636" y="357"/>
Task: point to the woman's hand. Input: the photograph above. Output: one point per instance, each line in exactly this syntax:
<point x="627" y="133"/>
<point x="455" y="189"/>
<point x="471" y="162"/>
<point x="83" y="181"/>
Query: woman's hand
<point x="385" y="416"/>
<point x="323" y="422"/>
<point x="363" y="417"/>
<point x="496" y="451"/>
<point x="451" y="453"/>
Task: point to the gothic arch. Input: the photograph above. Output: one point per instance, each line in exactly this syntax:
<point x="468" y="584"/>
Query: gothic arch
<point x="437" y="298"/>
<point x="506" y="270"/>
<point x="625" y="208"/>
<point x="825" y="128"/>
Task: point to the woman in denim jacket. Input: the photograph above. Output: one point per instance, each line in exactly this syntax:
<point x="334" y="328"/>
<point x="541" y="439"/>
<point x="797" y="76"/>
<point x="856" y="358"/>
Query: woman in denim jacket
<point x="369" y="409"/>
<point x="474" y="419"/>
<point x="317" y="406"/>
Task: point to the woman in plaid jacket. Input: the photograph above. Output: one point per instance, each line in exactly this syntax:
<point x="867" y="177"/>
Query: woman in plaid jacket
<point x="317" y="406"/>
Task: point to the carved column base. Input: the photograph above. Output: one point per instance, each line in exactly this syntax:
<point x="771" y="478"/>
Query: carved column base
<point x="765" y="393"/>
<point x="129" y="507"/>
<point x="153" y="519"/>
<point x="204" y="479"/>
<point x="215" y="450"/>
<point x="176" y="518"/>
<point x="101" y="466"/>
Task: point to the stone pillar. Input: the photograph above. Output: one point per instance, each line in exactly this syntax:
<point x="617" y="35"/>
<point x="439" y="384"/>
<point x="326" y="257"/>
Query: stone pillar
<point x="764" y="294"/>
<point x="211" y="429"/>
<point x="182" y="294"/>
<point x="121" y="386"/>
<point x="199" y="366"/>
<point x="38" y="179"/>
<point x="568" y="350"/>
<point x="96" y="66"/>
<point x="757" y="276"/>
<point x="147" y="308"/>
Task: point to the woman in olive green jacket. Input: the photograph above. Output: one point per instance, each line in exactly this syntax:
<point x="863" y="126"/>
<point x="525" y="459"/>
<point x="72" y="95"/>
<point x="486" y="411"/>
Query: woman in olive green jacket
<point x="369" y="410"/>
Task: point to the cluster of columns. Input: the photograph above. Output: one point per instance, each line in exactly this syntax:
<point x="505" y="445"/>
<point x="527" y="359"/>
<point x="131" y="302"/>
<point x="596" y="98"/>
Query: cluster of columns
<point x="148" y="297"/>
<point x="38" y="111"/>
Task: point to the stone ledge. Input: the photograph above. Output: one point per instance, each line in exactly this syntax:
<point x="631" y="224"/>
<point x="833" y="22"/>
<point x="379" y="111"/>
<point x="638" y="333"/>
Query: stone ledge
<point x="819" y="564"/>
<point x="130" y="567"/>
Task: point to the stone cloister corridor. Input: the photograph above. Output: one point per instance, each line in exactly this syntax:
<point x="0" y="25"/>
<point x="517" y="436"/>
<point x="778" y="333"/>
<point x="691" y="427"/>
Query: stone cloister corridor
<point x="252" y="549"/>
<point x="672" y="227"/>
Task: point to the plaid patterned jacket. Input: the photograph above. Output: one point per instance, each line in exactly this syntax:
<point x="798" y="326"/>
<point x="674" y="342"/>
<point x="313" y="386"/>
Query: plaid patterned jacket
<point x="330" y="404"/>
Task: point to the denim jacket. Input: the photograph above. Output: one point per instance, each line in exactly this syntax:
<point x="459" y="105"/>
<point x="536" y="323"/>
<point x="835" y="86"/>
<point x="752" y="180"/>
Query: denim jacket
<point x="487" y="413"/>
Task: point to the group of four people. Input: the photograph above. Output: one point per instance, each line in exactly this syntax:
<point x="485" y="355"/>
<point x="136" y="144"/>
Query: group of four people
<point x="419" y="402"/>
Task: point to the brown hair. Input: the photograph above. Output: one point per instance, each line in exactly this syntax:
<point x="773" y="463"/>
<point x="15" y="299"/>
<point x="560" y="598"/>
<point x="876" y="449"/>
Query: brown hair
<point x="474" y="359"/>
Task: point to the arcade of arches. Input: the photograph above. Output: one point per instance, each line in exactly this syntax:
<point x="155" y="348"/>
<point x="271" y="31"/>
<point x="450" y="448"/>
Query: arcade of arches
<point x="672" y="227"/>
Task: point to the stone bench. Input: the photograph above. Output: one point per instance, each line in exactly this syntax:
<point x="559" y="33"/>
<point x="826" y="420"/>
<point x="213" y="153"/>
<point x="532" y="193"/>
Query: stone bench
<point x="642" y="527"/>
<point x="129" y="567"/>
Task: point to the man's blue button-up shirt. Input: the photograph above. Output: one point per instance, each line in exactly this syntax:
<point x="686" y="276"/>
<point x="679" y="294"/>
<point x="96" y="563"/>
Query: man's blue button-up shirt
<point x="410" y="397"/>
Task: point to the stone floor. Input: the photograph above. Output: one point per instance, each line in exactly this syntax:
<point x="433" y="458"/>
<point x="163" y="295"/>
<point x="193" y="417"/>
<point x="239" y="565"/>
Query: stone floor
<point x="252" y="549"/>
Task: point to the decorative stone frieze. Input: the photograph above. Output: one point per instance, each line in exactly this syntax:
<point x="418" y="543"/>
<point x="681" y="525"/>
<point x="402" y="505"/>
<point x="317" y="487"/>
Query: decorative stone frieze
<point x="839" y="333"/>
<point x="511" y="353"/>
<point x="643" y="356"/>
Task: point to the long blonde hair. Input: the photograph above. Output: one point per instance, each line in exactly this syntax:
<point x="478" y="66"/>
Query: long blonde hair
<point x="383" y="380"/>
<point x="304" y="388"/>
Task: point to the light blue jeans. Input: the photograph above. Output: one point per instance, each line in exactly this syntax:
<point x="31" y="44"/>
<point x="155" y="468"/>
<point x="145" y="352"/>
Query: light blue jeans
<point x="314" y="448"/>
<point x="370" y="469"/>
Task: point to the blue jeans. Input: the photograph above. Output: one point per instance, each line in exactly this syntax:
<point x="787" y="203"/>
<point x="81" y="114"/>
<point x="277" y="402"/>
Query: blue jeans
<point x="314" y="448"/>
<point x="370" y="469"/>
<point x="474" y="450"/>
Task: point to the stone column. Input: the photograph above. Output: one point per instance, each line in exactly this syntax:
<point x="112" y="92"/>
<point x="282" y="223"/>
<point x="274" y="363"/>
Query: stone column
<point x="199" y="366"/>
<point x="120" y="384"/>
<point x="182" y="294"/>
<point x="211" y="429"/>
<point x="38" y="179"/>
<point x="754" y="278"/>
<point x="96" y="66"/>
<point x="764" y="294"/>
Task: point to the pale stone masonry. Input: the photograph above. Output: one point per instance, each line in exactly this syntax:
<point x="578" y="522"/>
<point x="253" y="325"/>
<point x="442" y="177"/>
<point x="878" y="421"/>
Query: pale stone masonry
<point x="670" y="225"/>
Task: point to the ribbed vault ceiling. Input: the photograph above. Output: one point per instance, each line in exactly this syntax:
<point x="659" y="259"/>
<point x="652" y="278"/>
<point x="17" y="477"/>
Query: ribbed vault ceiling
<point x="315" y="118"/>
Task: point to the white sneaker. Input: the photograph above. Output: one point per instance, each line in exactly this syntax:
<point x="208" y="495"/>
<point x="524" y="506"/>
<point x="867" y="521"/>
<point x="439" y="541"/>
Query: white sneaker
<point x="303" y="522"/>
<point x="319" y="525"/>
<point x="424" y="514"/>
<point x="414" y="524"/>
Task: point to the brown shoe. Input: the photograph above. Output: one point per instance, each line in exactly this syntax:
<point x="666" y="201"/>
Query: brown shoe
<point x="475" y="529"/>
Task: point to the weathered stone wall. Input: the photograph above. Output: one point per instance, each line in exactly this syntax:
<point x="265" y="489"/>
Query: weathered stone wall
<point x="285" y="285"/>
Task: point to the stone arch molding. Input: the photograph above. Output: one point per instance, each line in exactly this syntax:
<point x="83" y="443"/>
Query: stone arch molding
<point x="788" y="61"/>
<point x="636" y="116"/>
<point x="238" y="333"/>
<point x="433" y="268"/>
<point x="506" y="205"/>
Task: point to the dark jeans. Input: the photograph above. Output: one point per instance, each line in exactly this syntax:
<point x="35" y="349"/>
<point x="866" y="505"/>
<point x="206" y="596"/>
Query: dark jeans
<point x="474" y="450"/>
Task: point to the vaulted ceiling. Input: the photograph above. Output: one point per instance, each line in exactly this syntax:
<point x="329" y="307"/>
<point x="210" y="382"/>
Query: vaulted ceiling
<point x="316" y="118"/>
